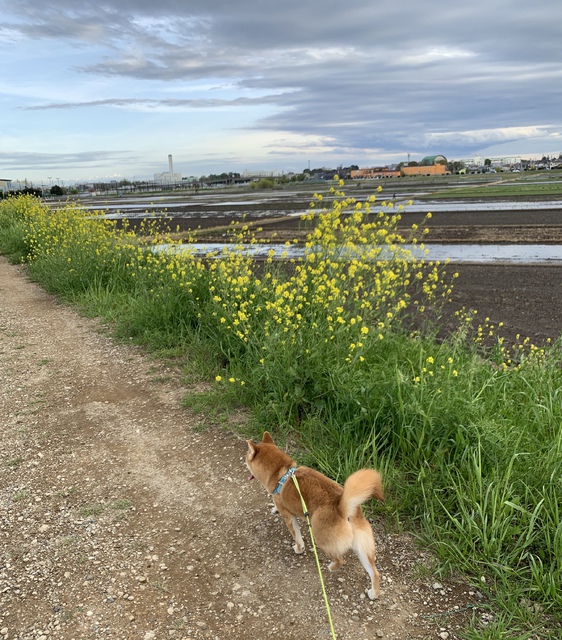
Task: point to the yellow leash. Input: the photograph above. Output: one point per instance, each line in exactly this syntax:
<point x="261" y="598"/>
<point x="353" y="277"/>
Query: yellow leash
<point x="305" y="511"/>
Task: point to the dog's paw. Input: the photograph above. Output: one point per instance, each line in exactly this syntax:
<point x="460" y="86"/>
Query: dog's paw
<point x="335" y="565"/>
<point x="298" y="549"/>
<point x="373" y="595"/>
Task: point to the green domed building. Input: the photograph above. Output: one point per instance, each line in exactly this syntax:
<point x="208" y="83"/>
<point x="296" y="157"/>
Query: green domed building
<point x="429" y="161"/>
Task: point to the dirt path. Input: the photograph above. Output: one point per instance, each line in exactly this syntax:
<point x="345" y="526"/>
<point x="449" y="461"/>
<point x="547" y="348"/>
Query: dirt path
<point x="121" y="516"/>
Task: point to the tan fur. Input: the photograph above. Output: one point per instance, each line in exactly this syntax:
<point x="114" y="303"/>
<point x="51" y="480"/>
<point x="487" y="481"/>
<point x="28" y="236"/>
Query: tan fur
<point x="337" y="520"/>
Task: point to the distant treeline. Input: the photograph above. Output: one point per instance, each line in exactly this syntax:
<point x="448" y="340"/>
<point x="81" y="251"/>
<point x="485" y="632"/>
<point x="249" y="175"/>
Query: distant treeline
<point x="28" y="191"/>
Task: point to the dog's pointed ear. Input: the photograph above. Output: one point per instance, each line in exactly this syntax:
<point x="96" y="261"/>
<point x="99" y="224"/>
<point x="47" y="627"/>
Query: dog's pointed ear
<point x="251" y="450"/>
<point x="267" y="437"/>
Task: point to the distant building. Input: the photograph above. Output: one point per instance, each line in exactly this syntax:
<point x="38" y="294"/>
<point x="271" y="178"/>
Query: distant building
<point x="429" y="166"/>
<point x="425" y="170"/>
<point x="5" y="185"/>
<point x="476" y="161"/>
<point x="261" y="174"/>
<point x="505" y="160"/>
<point x="374" y="173"/>
<point x="168" y="177"/>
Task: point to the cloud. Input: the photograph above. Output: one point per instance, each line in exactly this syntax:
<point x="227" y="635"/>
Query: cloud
<point x="19" y="161"/>
<point x="485" y="137"/>
<point x="165" y="104"/>
<point x="435" y="54"/>
<point x="365" y="78"/>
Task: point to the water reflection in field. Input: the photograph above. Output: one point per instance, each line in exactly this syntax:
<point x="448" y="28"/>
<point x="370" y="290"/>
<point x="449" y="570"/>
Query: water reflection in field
<point x="482" y="253"/>
<point x="282" y="204"/>
<point x="488" y="205"/>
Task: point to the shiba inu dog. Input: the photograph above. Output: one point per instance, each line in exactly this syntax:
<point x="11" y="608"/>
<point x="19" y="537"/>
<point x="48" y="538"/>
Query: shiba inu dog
<point x="336" y="517"/>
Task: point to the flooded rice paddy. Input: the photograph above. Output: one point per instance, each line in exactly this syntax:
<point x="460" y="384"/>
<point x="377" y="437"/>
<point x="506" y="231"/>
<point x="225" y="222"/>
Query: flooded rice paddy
<point x="465" y="230"/>
<point x="475" y="253"/>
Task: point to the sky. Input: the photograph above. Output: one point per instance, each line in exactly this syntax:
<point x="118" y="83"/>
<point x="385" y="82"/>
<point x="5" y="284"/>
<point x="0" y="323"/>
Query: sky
<point x="107" y="89"/>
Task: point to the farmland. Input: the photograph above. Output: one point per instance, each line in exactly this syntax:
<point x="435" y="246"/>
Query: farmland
<point x="355" y="362"/>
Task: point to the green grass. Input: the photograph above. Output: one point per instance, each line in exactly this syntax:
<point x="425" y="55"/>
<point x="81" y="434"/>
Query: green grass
<point x="321" y="353"/>
<point x="505" y="187"/>
<point x="121" y="504"/>
<point x="89" y="510"/>
<point x="14" y="462"/>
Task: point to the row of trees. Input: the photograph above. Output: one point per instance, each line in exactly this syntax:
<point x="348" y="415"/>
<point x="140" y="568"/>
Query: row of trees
<point x="21" y="192"/>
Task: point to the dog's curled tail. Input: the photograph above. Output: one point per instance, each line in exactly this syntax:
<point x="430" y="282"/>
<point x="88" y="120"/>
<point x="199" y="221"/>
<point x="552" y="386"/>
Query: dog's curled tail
<point x="358" y="488"/>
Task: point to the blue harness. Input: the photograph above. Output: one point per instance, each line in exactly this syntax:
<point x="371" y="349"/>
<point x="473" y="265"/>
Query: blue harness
<point x="284" y="479"/>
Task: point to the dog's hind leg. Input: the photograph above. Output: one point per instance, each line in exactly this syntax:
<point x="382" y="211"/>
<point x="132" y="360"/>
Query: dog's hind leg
<point x="364" y="547"/>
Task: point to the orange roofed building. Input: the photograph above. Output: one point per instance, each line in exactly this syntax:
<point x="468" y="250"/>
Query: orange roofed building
<point x="374" y="172"/>
<point x="429" y="166"/>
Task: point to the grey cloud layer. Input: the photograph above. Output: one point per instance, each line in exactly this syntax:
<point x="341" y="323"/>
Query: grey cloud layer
<point x="61" y="161"/>
<point x="170" y="103"/>
<point x="363" y="76"/>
